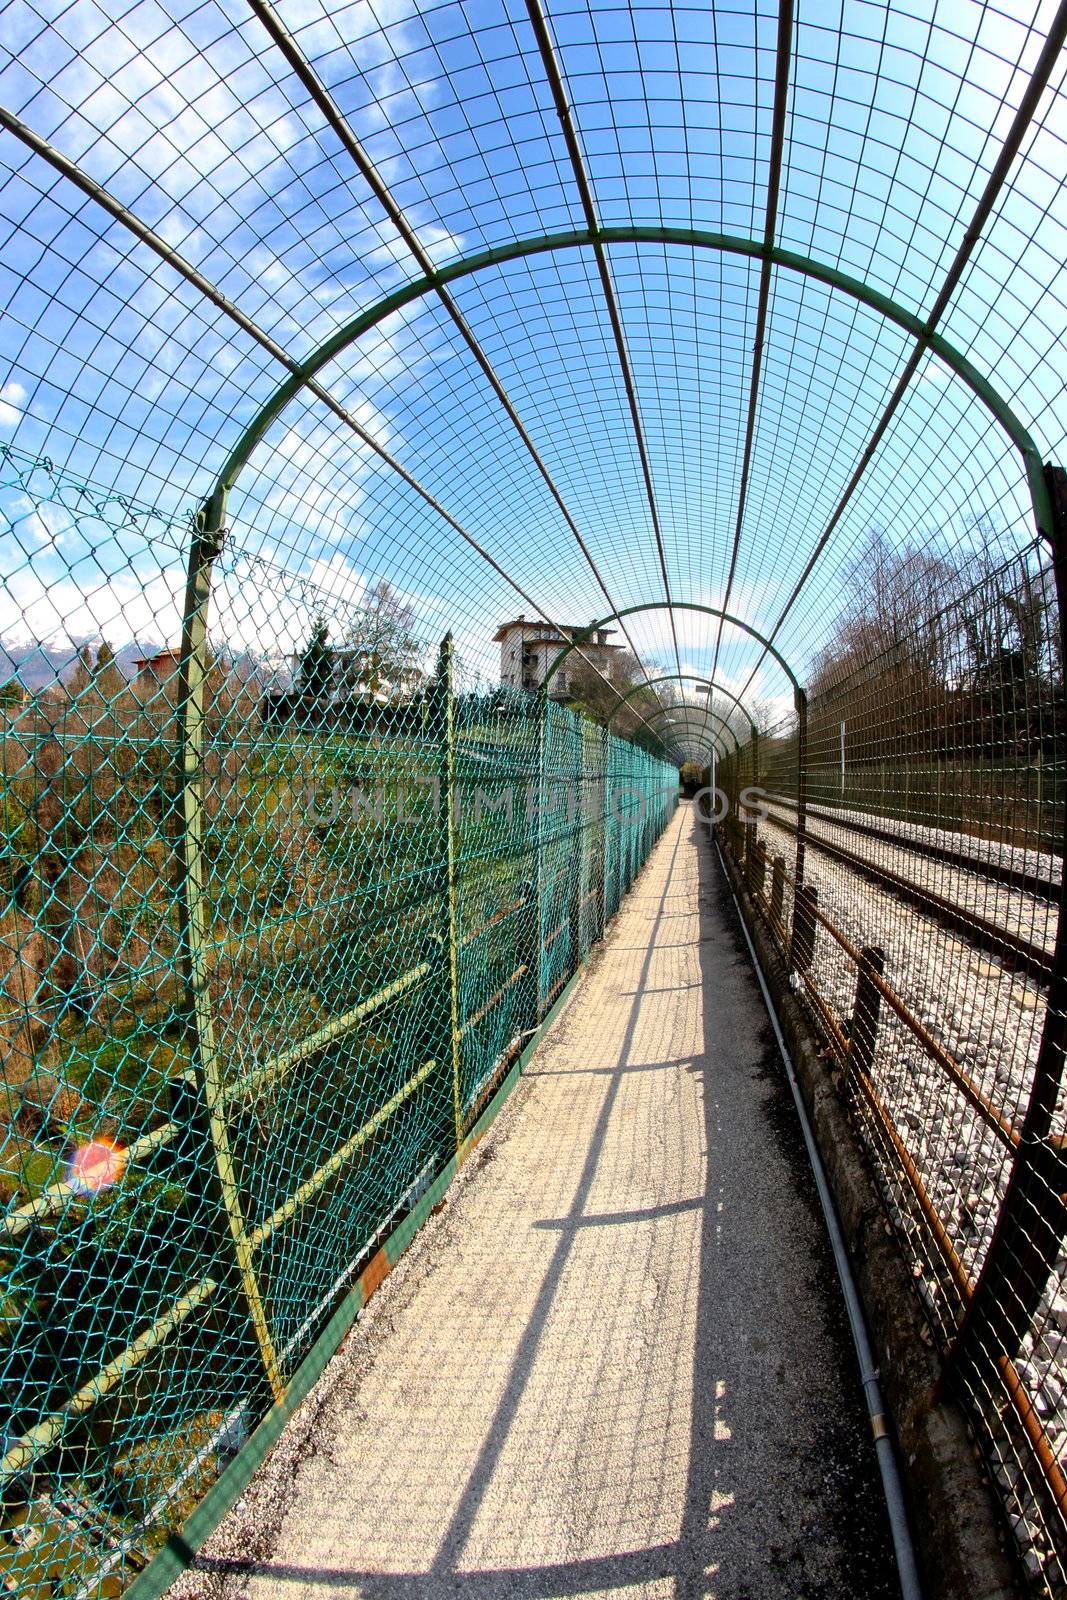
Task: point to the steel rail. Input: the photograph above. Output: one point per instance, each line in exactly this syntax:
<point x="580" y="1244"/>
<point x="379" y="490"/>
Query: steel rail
<point x="961" y="1277"/>
<point x="1026" y="1412"/>
<point x="221" y="1179"/>
<point x="1033" y="1426"/>
<point x="262" y="1231"/>
<point x="1039" y="80"/>
<point x="991" y="1115"/>
<point x="1031" y="883"/>
<point x="335" y="118"/>
<point x="690" y="238"/>
<point x="47" y="1433"/>
<point x="494" y="999"/>
<point x="554" y="74"/>
<point x="1033" y="959"/>
<point x="58" y="1195"/>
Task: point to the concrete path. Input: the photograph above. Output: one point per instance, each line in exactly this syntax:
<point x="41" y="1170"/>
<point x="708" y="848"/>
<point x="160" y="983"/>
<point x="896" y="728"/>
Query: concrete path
<point x="615" y="1364"/>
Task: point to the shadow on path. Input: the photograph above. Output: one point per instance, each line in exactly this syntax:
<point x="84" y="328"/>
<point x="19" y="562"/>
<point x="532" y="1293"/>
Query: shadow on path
<point x="744" y="1417"/>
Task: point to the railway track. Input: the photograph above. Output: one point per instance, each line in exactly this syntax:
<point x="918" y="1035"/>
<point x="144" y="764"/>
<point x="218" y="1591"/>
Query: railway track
<point x="1017" y="949"/>
<point x="1035" y="882"/>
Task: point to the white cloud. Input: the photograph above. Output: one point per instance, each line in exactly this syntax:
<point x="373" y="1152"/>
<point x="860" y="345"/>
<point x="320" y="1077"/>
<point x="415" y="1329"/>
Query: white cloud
<point x="12" y="400"/>
<point x="119" y="608"/>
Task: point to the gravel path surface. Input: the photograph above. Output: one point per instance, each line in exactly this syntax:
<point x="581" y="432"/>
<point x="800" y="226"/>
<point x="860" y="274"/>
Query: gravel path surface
<point x="616" y="1362"/>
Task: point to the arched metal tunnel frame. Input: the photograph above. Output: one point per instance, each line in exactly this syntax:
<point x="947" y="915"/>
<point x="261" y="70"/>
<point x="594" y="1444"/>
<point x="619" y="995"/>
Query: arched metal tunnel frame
<point x="1021" y="1254"/>
<point x="1018" y="1249"/>
<point x="675" y="677"/>
<point x="800" y="698"/>
<point x="711" y="688"/>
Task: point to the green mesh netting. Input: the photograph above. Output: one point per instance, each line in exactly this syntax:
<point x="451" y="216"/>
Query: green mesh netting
<point x="717" y="346"/>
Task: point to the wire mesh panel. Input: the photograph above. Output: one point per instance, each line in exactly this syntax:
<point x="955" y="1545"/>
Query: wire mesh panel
<point x="921" y="929"/>
<point x="559" y="845"/>
<point x="266" y="953"/>
<point x="592" y="799"/>
<point x="738" y="329"/>
<point x="498" y="755"/>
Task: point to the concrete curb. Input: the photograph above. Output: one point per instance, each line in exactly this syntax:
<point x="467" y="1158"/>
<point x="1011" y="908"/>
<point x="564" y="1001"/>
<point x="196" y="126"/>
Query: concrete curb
<point x="956" y="1523"/>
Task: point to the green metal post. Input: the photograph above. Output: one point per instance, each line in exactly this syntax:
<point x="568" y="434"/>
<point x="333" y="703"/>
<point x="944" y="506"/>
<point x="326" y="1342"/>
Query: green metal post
<point x="582" y="845"/>
<point x="581" y="865"/>
<point x="193" y="912"/>
<point x="536" y="823"/>
<point x="445" y="677"/>
<point x="602" y="824"/>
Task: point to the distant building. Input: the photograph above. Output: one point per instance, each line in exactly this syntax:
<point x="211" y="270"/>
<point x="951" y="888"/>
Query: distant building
<point x="159" y="668"/>
<point x="528" y="649"/>
<point x="348" y="696"/>
<point x="385" y="683"/>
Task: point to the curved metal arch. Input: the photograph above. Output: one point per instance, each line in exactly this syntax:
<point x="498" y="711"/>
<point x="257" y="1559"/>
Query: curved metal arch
<point x="665" y="711"/>
<point x="692" y="238"/>
<point x="584" y="636"/>
<point x="674" y="677"/>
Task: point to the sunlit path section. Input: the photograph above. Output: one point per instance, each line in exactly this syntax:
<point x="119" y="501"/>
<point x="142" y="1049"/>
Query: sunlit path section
<point x="615" y="1364"/>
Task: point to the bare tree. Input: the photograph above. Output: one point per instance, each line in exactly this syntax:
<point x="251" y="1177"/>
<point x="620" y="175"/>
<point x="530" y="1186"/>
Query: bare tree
<point x="381" y="650"/>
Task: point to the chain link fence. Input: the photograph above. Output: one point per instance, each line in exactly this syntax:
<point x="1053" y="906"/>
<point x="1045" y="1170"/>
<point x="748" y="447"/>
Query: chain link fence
<point x="271" y="940"/>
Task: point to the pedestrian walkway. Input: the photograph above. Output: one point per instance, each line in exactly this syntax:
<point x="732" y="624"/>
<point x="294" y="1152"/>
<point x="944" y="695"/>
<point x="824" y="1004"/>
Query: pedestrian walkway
<point x="615" y="1364"/>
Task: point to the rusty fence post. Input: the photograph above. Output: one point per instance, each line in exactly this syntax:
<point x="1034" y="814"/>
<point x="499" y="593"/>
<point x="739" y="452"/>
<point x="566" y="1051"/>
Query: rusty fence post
<point x="777" y="888"/>
<point x="758" y="868"/>
<point x="802" y="947"/>
<point x="863" y="1034"/>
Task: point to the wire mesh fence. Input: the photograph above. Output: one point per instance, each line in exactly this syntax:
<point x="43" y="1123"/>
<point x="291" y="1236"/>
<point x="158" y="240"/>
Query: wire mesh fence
<point x="739" y="326"/>
<point x="266" y="954"/>
<point x="906" y="852"/>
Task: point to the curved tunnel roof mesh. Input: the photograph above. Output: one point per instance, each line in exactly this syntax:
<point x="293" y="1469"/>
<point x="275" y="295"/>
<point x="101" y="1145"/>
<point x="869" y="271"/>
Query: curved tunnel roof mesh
<point x="704" y="299"/>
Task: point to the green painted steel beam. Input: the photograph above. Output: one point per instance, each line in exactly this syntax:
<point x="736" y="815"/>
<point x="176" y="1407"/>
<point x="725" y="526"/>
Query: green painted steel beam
<point x="688" y="238"/>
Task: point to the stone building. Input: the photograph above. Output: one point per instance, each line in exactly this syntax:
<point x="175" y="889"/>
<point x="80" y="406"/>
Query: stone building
<point x="528" y="649"/>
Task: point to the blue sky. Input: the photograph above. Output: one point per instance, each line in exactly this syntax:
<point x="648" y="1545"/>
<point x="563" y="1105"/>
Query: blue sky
<point x="123" y="376"/>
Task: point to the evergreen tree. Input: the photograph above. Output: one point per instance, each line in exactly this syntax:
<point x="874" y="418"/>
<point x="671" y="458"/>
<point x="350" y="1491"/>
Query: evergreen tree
<point x="314" y="676"/>
<point x="107" y="676"/>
